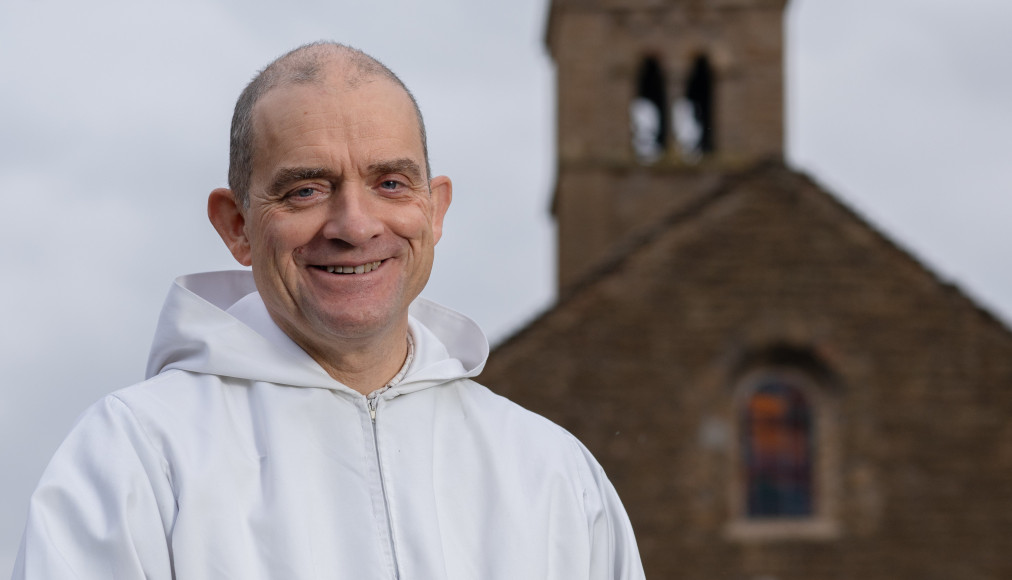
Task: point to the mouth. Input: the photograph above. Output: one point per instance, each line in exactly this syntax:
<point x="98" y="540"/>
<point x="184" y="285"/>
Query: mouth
<point x="346" y="270"/>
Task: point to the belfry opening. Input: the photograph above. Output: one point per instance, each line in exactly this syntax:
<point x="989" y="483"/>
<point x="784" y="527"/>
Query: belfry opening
<point x="648" y="112"/>
<point x="693" y="112"/>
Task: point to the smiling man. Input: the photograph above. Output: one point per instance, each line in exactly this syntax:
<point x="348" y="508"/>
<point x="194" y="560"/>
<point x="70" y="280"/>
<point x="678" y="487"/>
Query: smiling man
<point x="338" y="216"/>
<point x="314" y="418"/>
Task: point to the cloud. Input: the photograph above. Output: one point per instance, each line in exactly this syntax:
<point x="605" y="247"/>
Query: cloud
<point x="115" y="121"/>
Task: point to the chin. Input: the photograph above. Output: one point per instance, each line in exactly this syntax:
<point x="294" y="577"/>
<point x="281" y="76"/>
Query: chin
<point x="358" y="325"/>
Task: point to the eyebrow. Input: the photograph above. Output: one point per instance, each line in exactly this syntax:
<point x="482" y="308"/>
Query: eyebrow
<point x="286" y="176"/>
<point x="404" y="165"/>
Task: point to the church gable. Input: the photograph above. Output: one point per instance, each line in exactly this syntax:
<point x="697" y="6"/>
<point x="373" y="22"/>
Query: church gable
<point x="776" y="390"/>
<point x="768" y="300"/>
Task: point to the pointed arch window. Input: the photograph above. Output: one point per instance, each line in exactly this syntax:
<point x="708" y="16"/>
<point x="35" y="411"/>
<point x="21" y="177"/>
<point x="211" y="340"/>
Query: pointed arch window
<point x="786" y="458"/>
<point x="777" y="429"/>
<point x="648" y="112"/>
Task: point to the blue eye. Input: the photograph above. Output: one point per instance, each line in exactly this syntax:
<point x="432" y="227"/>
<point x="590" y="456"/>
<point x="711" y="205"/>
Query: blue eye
<point x="390" y="184"/>
<point x="304" y="192"/>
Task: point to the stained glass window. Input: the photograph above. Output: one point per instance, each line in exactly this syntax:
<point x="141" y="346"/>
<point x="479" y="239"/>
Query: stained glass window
<point x="777" y="438"/>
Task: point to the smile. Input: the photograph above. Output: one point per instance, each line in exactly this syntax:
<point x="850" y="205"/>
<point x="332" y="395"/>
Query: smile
<point x="360" y="269"/>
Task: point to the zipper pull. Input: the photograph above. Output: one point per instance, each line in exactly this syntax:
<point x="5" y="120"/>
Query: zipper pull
<point x="372" y="408"/>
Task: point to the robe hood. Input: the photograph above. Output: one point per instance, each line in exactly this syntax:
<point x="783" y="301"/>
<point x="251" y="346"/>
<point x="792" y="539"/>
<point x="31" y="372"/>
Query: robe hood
<point x="216" y="323"/>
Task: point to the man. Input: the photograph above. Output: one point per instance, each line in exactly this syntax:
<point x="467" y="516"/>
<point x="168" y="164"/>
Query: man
<point x="313" y="419"/>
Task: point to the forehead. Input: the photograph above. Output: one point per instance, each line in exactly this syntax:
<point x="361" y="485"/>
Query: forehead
<point x="370" y="113"/>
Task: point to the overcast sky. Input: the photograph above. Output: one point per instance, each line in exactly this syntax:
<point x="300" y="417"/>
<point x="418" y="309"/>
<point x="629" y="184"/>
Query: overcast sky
<point x="114" y="122"/>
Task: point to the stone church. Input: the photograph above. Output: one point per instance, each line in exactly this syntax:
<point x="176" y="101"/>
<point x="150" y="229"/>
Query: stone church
<point x="777" y="391"/>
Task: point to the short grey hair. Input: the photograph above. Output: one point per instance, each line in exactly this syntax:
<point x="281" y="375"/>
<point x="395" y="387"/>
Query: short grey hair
<point x="302" y="66"/>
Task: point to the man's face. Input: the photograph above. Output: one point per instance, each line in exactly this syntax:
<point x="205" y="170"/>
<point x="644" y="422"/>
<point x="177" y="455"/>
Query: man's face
<point x="341" y="223"/>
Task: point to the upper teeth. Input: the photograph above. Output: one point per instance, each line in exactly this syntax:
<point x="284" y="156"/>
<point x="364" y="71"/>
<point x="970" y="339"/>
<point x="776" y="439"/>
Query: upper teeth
<point x="360" y="269"/>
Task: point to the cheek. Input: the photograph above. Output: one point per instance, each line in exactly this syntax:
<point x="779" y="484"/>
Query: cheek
<point x="283" y="236"/>
<point x="415" y="225"/>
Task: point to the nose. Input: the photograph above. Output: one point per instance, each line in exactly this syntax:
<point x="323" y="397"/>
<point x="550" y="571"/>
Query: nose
<point x="353" y="216"/>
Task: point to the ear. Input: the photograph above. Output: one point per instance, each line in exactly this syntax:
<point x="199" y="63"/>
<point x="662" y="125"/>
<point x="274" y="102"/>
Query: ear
<point x="441" y="189"/>
<point x="230" y="222"/>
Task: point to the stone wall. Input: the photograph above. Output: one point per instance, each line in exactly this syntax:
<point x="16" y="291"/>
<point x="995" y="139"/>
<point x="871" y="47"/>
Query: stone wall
<point x="598" y="48"/>
<point x="642" y="362"/>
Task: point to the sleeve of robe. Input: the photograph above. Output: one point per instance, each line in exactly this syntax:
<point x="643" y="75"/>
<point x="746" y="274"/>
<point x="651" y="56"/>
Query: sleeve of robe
<point x="104" y="506"/>
<point x="614" y="554"/>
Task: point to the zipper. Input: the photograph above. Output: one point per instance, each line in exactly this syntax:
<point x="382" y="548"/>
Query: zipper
<point x="372" y="402"/>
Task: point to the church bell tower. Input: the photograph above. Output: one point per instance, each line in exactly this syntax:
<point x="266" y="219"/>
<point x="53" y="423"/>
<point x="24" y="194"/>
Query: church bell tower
<point x="657" y="100"/>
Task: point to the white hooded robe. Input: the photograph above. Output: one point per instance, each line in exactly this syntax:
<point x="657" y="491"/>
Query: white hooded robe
<point x="241" y="458"/>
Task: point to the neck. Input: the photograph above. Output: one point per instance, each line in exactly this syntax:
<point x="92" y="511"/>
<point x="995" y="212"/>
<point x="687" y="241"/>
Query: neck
<point x="363" y="364"/>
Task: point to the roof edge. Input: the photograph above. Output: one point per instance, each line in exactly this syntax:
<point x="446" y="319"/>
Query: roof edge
<point x="627" y="247"/>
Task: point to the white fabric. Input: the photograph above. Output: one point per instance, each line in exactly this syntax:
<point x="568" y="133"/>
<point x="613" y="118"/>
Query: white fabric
<point x="241" y="458"/>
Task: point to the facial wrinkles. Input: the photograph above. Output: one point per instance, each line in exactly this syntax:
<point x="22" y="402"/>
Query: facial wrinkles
<point x="351" y="195"/>
<point x="330" y="133"/>
<point x="339" y="168"/>
<point x="354" y="152"/>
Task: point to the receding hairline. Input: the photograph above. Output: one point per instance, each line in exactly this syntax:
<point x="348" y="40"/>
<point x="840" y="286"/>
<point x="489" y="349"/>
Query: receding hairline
<point x="317" y="63"/>
<point x="310" y="64"/>
<point x="335" y="75"/>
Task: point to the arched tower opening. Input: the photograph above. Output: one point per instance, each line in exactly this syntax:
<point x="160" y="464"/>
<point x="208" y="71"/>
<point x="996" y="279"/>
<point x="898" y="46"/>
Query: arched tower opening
<point x="693" y="112"/>
<point x="648" y="112"/>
